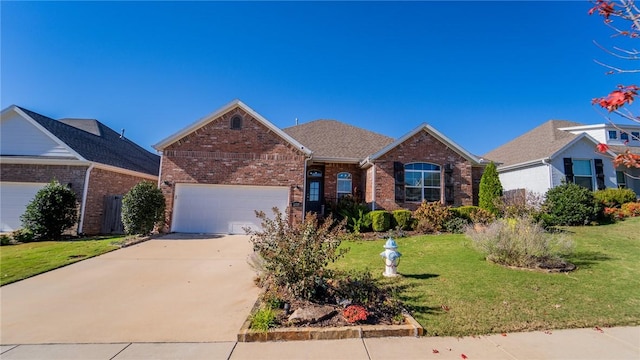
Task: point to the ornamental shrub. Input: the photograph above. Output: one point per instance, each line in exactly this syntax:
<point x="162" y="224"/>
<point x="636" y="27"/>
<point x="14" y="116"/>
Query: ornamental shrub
<point x="490" y="189"/>
<point x="53" y="210"/>
<point x="520" y="242"/>
<point x="631" y="209"/>
<point x="571" y="204"/>
<point x="295" y="257"/>
<point x="402" y="218"/>
<point x="355" y="213"/>
<point x="432" y="216"/>
<point x="615" y="197"/>
<point x="380" y="220"/>
<point x="142" y="209"/>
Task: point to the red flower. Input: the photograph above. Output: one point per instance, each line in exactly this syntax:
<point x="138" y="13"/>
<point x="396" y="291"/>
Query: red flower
<point x="355" y="313"/>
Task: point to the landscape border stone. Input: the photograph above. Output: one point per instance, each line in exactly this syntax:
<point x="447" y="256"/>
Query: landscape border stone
<point x="410" y="328"/>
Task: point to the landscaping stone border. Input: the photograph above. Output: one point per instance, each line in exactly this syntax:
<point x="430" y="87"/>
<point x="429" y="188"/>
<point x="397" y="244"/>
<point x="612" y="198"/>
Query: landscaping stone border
<point x="410" y="328"/>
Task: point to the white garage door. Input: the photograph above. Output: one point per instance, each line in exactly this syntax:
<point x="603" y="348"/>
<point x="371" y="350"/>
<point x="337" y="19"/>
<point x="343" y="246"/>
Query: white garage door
<point x="14" y="197"/>
<point x="224" y="209"/>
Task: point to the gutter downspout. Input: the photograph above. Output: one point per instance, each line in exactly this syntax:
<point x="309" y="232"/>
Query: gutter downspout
<point x="373" y="188"/>
<point x="83" y="206"/>
<point x="304" y="188"/>
<point x="549" y="172"/>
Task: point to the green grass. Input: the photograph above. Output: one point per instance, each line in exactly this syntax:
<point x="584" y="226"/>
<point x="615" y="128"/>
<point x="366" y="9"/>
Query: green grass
<point x="452" y="291"/>
<point x="21" y="261"/>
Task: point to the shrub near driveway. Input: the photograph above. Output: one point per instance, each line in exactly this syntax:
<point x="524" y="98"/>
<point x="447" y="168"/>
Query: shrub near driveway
<point x="26" y="260"/>
<point x="453" y="291"/>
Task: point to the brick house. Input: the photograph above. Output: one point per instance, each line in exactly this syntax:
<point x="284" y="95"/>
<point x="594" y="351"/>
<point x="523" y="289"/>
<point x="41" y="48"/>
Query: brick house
<point x="97" y="163"/>
<point x="218" y="170"/>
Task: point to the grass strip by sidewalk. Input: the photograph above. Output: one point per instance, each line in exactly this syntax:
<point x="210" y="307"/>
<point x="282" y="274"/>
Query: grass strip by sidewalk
<point x="21" y="261"/>
<point x="453" y="291"/>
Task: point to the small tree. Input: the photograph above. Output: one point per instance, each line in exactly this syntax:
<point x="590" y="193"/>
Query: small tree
<point x="490" y="189"/>
<point x="142" y="209"/>
<point x="53" y="210"/>
<point x="571" y="204"/>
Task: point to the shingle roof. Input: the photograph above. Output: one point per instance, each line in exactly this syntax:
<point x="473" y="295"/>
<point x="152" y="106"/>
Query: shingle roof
<point x="334" y="139"/>
<point x="107" y="148"/>
<point x="539" y="143"/>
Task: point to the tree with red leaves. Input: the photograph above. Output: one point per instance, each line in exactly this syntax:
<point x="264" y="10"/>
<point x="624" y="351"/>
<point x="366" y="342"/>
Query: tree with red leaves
<point x="618" y="102"/>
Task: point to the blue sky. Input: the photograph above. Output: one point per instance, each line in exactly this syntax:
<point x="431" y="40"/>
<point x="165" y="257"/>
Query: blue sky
<point x="482" y="73"/>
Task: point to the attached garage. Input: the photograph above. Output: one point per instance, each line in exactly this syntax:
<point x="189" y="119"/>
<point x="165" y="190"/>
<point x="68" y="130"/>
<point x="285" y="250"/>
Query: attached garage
<point x="14" y="198"/>
<point x="224" y="209"/>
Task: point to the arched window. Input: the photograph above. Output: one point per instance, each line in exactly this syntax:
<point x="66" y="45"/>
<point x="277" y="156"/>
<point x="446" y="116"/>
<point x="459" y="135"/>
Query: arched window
<point x="236" y="123"/>
<point x="344" y="184"/>
<point x="422" y="182"/>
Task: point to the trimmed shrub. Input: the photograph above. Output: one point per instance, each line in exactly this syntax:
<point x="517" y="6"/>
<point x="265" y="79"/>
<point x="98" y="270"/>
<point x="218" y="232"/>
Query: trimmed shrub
<point x="456" y="225"/>
<point x="142" y="209"/>
<point x="53" y="210"/>
<point x="402" y="218"/>
<point x="431" y="216"/>
<point x="464" y="211"/>
<point x="474" y="214"/>
<point x="614" y="197"/>
<point x="380" y="220"/>
<point x="631" y="209"/>
<point x="295" y="257"/>
<point x="571" y="204"/>
<point x="490" y="189"/>
<point x="520" y="242"/>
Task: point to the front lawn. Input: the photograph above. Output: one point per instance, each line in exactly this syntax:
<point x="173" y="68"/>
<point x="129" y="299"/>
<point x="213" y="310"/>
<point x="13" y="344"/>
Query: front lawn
<point x="21" y="261"/>
<point x="452" y="291"/>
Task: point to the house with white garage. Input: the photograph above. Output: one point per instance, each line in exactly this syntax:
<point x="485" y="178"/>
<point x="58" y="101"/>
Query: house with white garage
<point x="564" y="151"/>
<point x="97" y="163"/>
<point x="218" y="170"/>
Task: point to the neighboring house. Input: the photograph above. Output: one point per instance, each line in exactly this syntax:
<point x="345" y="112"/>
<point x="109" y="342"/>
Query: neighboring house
<point x="217" y="171"/>
<point x="565" y="151"/>
<point x="97" y="163"/>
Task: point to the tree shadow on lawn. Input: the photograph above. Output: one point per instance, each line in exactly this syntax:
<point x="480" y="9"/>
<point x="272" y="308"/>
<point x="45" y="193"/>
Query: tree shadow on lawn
<point x="419" y="276"/>
<point x="586" y="259"/>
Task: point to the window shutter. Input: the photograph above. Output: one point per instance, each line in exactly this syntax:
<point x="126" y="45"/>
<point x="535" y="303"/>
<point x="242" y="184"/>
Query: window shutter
<point x="448" y="184"/>
<point x="398" y="175"/>
<point x="568" y="170"/>
<point x="599" y="173"/>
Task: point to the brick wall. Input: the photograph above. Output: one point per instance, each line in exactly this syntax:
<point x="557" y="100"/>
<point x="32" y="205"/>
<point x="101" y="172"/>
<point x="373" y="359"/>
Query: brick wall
<point x="104" y="183"/>
<point x="217" y="154"/>
<point x="331" y="179"/>
<point x="422" y="147"/>
<point x="65" y="174"/>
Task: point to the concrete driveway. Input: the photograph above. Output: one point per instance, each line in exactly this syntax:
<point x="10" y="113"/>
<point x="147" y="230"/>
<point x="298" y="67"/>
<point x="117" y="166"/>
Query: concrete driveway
<point x="179" y="288"/>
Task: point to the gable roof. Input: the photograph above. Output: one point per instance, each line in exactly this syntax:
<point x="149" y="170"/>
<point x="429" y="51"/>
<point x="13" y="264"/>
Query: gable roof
<point x="540" y="143"/>
<point x="433" y="132"/>
<point x="221" y="111"/>
<point x="108" y="148"/>
<point x="337" y="141"/>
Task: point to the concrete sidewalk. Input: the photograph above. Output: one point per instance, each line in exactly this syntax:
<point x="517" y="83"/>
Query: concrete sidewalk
<point x="609" y="343"/>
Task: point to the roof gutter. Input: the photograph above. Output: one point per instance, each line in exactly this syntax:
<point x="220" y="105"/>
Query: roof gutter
<point x="524" y="164"/>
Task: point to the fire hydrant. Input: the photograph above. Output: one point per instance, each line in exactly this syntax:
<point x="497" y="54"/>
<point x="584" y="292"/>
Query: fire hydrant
<point x="391" y="258"/>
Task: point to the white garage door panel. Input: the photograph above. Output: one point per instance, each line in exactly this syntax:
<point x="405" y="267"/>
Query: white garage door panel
<point x="222" y="209"/>
<point x="14" y="198"/>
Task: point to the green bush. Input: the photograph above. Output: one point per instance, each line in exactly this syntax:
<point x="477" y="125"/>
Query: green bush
<point x="402" y="218"/>
<point x="5" y="240"/>
<point x="295" y="257"/>
<point x="53" y="210"/>
<point x="380" y="220"/>
<point x="142" y="209"/>
<point x="571" y="204"/>
<point x="456" y="225"/>
<point x="263" y="319"/>
<point x="431" y="216"/>
<point x="490" y="189"/>
<point x="23" y="235"/>
<point x="520" y="242"/>
<point x="355" y="213"/>
<point x="464" y="212"/>
<point x="614" y="197"/>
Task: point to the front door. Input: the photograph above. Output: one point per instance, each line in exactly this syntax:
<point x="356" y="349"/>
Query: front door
<point x="315" y="190"/>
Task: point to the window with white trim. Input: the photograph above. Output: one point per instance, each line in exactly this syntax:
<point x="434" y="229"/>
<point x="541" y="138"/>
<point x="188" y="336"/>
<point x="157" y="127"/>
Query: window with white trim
<point x="422" y="182"/>
<point x="344" y="184"/>
<point x="613" y="134"/>
<point x="583" y="173"/>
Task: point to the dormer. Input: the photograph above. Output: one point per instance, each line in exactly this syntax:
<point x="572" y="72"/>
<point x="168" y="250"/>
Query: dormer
<point x="609" y="134"/>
